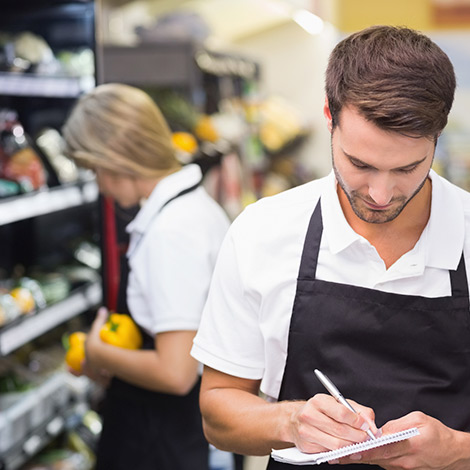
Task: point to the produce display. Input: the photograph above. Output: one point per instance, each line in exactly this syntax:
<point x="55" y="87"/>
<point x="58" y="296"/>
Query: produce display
<point x="184" y="142"/>
<point x="20" y="164"/>
<point x="27" y="52"/>
<point x="46" y="291"/>
<point x="23" y="297"/>
<point x="280" y="124"/>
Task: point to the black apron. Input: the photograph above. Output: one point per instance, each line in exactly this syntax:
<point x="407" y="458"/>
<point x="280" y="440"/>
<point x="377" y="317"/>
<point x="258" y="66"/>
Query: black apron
<point x="395" y="353"/>
<point x="146" y="430"/>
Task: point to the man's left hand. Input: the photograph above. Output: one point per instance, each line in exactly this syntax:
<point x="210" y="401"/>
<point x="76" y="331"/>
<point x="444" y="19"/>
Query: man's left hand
<point x="437" y="447"/>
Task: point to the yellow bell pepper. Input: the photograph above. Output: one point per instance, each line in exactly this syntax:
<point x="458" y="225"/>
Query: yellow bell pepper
<point x="205" y="129"/>
<point x="24" y="299"/>
<point x="184" y="141"/>
<point x="121" y="331"/>
<point x="75" y="354"/>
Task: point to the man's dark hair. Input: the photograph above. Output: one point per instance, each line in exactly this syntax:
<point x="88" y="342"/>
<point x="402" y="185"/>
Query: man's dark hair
<point x="395" y="77"/>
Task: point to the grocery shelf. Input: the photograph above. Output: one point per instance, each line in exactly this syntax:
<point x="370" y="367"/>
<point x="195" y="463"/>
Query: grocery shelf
<point x="39" y="438"/>
<point x="20" y="84"/>
<point x="17" y="334"/>
<point x="30" y="420"/>
<point x="47" y="201"/>
<point x="36" y="418"/>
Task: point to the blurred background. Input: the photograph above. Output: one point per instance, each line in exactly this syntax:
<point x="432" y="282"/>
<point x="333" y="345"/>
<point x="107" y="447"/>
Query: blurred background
<point x="290" y="41"/>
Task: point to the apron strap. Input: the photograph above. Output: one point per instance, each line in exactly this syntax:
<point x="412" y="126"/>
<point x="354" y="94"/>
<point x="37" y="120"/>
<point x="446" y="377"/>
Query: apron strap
<point x="176" y="196"/>
<point x="458" y="280"/>
<point x="122" y="306"/>
<point x="309" y="260"/>
<point x="181" y="193"/>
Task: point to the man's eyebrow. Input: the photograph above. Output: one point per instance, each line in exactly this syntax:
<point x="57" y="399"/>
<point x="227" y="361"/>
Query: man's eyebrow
<point x="359" y="162"/>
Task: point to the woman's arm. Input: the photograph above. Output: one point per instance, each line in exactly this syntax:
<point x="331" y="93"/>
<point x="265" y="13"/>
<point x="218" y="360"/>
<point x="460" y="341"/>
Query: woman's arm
<point x="168" y="368"/>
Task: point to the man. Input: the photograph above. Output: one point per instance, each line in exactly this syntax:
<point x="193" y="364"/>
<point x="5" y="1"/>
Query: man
<point x="361" y="274"/>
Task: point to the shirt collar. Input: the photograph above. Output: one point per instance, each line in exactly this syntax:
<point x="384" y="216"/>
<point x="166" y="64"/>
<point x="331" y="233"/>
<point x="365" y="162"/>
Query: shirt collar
<point x="443" y="247"/>
<point x="446" y="226"/>
<point x="167" y="188"/>
<point x="338" y="232"/>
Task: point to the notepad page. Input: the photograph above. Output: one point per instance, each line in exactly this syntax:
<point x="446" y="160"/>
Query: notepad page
<point x="294" y="456"/>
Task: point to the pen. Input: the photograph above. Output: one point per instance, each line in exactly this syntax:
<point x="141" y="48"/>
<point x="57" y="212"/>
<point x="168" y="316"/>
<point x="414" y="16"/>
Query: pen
<point x="336" y="394"/>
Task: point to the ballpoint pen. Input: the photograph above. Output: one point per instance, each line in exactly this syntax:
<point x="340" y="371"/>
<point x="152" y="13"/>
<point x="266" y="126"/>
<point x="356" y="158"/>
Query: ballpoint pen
<point x="336" y="394"/>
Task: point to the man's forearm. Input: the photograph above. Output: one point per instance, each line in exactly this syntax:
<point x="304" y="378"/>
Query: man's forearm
<point x="244" y="423"/>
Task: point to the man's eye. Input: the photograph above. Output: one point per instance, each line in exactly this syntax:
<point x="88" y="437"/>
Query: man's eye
<point x="359" y="165"/>
<point x="408" y="170"/>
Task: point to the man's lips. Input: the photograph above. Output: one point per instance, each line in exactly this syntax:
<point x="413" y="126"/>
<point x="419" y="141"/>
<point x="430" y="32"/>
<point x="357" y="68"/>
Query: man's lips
<point x="376" y="206"/>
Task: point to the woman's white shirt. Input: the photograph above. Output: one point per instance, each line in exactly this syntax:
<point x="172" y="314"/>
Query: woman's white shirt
<point x="172" y="253"/>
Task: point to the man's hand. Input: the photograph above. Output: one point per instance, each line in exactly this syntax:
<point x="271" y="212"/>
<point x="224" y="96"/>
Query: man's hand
<point x="323" y="424"/>
<point x="237" y="419"/>
<point x="436" y="448"/>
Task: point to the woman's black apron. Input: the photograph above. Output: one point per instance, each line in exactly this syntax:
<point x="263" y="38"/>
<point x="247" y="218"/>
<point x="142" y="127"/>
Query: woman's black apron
<point x="394" y="353"/>
<point x="146" y="430"/>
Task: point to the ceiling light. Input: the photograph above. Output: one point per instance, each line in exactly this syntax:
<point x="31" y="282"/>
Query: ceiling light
<point x="308" y="21"/>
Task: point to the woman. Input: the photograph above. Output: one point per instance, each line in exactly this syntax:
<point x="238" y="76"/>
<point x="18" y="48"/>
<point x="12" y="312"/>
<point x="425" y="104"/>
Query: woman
<point x="151" y="417"/>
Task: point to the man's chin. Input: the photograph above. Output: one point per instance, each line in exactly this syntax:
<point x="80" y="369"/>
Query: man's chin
<point x="376" y="216"/>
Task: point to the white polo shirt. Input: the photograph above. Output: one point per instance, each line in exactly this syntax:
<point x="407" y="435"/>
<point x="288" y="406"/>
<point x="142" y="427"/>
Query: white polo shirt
<point x="245" y="324"/>
<point x="172" y="253"/>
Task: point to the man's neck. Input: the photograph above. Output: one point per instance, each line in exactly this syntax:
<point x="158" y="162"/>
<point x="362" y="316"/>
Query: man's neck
<point x="395" y="238"/>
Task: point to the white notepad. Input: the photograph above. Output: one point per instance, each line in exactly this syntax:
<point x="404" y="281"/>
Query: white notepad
<point x="293" y="456"/>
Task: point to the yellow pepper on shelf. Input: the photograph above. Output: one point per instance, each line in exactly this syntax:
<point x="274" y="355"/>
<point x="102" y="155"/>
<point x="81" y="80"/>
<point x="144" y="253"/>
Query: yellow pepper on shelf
<point x="75" y="354"/>
<point x="184" y="141"/>
<point x="24" y="298"/>
<point x="121" y="331"/>
<point x="205" y="129"/>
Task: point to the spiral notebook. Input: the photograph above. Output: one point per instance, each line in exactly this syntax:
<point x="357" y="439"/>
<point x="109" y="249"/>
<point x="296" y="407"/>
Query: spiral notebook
<point x="293" y="456"/>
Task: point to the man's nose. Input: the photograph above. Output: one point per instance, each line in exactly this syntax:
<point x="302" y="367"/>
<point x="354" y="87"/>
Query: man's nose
<point x="381" y="189"/>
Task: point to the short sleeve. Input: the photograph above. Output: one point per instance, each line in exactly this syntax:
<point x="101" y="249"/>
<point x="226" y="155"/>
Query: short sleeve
<point x="229" y="338"/>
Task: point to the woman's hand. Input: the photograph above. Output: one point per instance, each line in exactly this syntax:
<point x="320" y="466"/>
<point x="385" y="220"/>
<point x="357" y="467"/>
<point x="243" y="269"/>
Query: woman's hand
<point x="94" y="343"/>
<point x="102" y="376"/>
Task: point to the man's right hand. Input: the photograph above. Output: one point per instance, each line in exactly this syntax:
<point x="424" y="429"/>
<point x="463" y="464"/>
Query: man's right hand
<point x="322" y="424"/>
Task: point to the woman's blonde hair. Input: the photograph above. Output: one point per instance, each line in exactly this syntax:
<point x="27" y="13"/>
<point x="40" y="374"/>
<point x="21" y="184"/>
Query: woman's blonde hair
<point x="120" y="128"/>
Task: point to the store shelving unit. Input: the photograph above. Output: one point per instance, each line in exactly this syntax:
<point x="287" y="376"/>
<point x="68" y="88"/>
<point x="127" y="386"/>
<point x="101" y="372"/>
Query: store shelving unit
<point x="182" y="65"/>
<point x="37" y="419"/>
<point x="36" y="85"/>
<point x="39" y="221"/>
<point x="16" y="335"/>
<point x="46" y="202"/>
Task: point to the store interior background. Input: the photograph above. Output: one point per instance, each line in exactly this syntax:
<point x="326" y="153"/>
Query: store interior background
<point x="270" y="135"/>
<point x="291" y="41"/>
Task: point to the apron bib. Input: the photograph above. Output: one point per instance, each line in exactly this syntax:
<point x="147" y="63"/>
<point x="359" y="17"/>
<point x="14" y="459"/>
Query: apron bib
<point x="395" y="353"/>
<point x="147" y="430"/>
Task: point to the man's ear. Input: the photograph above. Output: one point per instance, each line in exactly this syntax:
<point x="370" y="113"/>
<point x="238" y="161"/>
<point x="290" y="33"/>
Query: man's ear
<point x="327" y="114"/>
